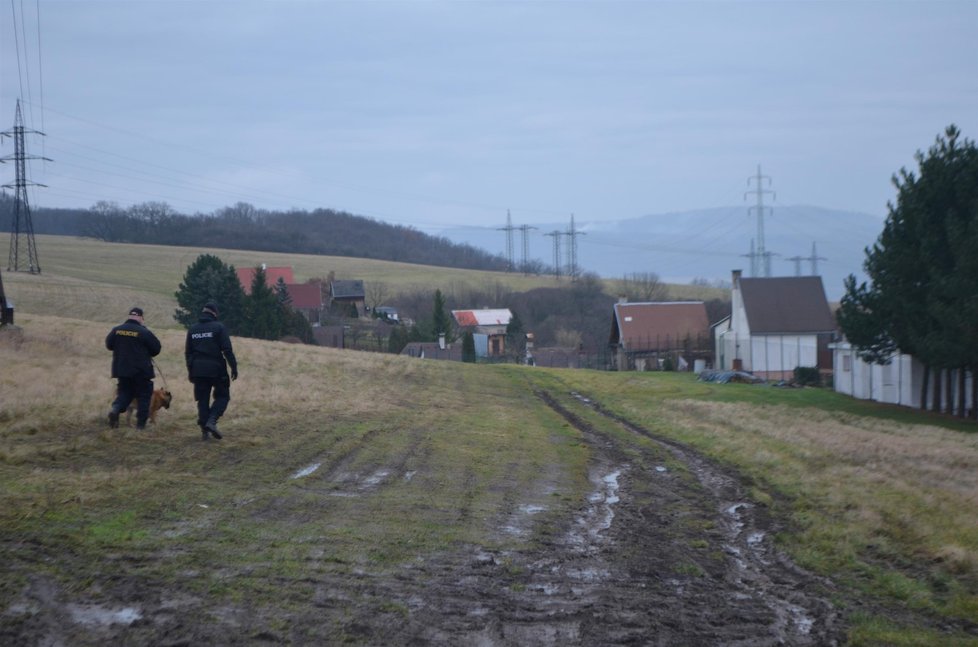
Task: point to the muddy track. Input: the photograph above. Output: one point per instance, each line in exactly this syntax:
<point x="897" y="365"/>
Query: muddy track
<point x="666" y="549"/>
<point x="657" y="555"/>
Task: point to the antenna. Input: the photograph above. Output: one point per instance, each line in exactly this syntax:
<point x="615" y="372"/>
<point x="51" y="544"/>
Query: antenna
<point x="762" y="258"/>
<point x="509" y="240"/>
<point x="22" y="209"/>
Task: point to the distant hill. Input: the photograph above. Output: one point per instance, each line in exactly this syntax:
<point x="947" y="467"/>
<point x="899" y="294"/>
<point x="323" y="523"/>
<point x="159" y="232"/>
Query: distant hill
<point x="703" y="244"/>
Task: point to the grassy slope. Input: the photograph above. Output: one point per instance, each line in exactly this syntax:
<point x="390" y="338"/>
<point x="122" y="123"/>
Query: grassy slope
<point x="881" y="498"/>
<point x="92" y="280"/>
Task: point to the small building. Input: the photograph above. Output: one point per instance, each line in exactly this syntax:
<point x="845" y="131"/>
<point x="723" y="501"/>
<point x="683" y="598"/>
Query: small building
<point x="348" y="293"/>
<point x="776" y="325"/>
<point x="488" y="328"/>
<point x="246" y="276"/>
<point x="647" y="333"/>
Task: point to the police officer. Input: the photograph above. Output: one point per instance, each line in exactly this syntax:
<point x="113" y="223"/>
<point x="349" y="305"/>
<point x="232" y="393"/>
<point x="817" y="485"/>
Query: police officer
<point x="208" y="353"/>
<point x="133" y="348"/>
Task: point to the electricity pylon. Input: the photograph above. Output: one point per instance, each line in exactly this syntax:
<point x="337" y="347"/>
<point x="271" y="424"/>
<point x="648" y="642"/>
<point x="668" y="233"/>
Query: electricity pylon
<point x="22" y="210"/>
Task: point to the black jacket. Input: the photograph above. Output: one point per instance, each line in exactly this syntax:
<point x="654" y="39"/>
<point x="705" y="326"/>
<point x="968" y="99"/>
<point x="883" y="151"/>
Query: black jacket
<point x="133" y="348"/>
<point x="208" y="351"/>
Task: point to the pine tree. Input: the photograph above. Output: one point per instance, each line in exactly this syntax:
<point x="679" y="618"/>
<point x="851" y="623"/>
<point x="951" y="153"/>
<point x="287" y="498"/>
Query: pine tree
<point x="209" y="279"/>
<point x="921" y="299"/>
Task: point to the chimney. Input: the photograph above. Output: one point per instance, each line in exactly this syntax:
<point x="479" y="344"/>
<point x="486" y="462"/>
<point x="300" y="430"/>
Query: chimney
<point x="736" y="278"/>
<point x="441" y="340"/>
<point x="622" y="299"/>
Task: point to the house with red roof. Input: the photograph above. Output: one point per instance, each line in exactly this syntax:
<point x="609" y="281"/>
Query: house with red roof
<point x="644" y="335"/>
<point x="488" y="328"/>
<point x="246" y="276"/>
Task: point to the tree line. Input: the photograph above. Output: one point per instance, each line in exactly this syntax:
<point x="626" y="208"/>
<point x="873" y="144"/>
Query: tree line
<point x="922" y="295"/>
<point x="242" y="226"/>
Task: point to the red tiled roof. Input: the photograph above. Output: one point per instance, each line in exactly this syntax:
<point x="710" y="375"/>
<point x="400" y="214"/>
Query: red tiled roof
<point x="246" y="275"/>
<point x="647" y="326"/>
<point x="306" y="295"/>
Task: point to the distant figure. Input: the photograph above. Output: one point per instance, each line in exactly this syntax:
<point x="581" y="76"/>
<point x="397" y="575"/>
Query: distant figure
<point x="133" y="348"/>
<point x="208" y="353"/>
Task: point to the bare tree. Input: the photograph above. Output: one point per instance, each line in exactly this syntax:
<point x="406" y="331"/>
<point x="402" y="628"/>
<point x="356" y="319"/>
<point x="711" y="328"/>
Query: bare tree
<point x="643" y="286"/>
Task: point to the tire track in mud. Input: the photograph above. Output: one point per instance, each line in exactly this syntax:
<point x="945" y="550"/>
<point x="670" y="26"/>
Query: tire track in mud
<point x="653" y="556"/>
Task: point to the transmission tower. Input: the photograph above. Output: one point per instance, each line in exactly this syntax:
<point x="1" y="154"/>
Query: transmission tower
<point x="509" y="240"/>
<point x="797" y="260"/>
<point x="22" y="210"/>
<point x="526" y="247"/>
<point x="815" y="258"/>
<point x="761" y="259"/>
<point x="556" y="233"/>
<point x="572" y="233"/>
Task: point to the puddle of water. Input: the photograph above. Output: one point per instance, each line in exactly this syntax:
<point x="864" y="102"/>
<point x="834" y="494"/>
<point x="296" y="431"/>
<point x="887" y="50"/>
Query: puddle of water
<point x="97" y="615"/>
<point x="306" y="471"/>
<point x="532" y="509"/>
<point x="660" y="468"/>
<point x="376" y="478"/>
<point x="755" y="538"/>
<point x="409" y="475"/>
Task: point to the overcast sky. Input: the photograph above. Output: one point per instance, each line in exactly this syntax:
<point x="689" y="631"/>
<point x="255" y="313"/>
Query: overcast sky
<point x="436" y="113"/>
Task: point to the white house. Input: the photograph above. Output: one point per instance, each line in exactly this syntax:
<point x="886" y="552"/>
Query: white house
<point x="776" y="324"/>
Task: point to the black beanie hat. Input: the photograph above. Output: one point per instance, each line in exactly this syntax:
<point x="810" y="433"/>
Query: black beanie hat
<point x="211" y="308"/>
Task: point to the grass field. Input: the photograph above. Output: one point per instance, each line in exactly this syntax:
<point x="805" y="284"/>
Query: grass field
<point x="881" y="500"/>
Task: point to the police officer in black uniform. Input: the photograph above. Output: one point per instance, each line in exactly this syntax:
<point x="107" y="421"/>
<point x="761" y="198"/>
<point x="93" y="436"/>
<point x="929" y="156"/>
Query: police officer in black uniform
<point x="208" y="353"/>
<point x="133" y="348"/>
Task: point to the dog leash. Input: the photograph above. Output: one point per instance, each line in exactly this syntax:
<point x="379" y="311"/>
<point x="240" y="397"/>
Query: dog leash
<point x="157" y="367"/>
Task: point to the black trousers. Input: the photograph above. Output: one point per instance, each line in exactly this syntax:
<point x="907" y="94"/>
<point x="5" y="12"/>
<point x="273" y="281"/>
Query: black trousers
<point x="204" y="387"/>
<point x="139" y="388"/>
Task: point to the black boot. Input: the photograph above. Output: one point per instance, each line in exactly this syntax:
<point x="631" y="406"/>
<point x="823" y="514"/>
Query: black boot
<point x="204" y="434"/>
<point x="211" y="426"/>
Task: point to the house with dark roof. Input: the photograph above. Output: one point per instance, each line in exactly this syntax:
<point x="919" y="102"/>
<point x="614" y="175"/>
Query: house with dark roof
<point x="776" y="324"/>
<point x="644" y="334"/>
<point x="349" y="293"/>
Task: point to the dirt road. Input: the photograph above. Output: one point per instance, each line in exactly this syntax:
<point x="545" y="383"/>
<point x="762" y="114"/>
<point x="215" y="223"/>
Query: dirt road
<point x="665" y="550"/>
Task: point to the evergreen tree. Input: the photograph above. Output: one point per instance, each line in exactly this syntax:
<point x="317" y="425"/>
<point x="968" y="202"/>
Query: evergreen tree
<point x="923" y="277"/>
<point x="441" y="322"/>
<point x="209" y="279"/>
<point x="265" y="319"/>
<point x="468" y="347"/>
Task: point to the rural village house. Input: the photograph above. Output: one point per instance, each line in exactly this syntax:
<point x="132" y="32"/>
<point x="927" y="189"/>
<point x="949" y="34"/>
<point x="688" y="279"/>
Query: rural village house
<point x="488" y="328"/>
<point x="350" y="293"/>
<point x="644" y="334"/>
<point x="776" y="325"/>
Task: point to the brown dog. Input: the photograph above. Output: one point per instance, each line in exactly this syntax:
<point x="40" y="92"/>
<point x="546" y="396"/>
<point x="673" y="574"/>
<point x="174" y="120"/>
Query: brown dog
<point x="161" y="400"/>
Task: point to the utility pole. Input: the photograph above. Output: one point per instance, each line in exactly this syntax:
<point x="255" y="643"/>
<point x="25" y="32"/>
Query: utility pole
<point x="526" y="246"/>
<point x="573" y="233"/>
<point x="509" y="240"/>
<point x="753" y="258"/>
<point x="22" y="209"/>
<point x="556" y="233"/>
<point x="761" y="261"/>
